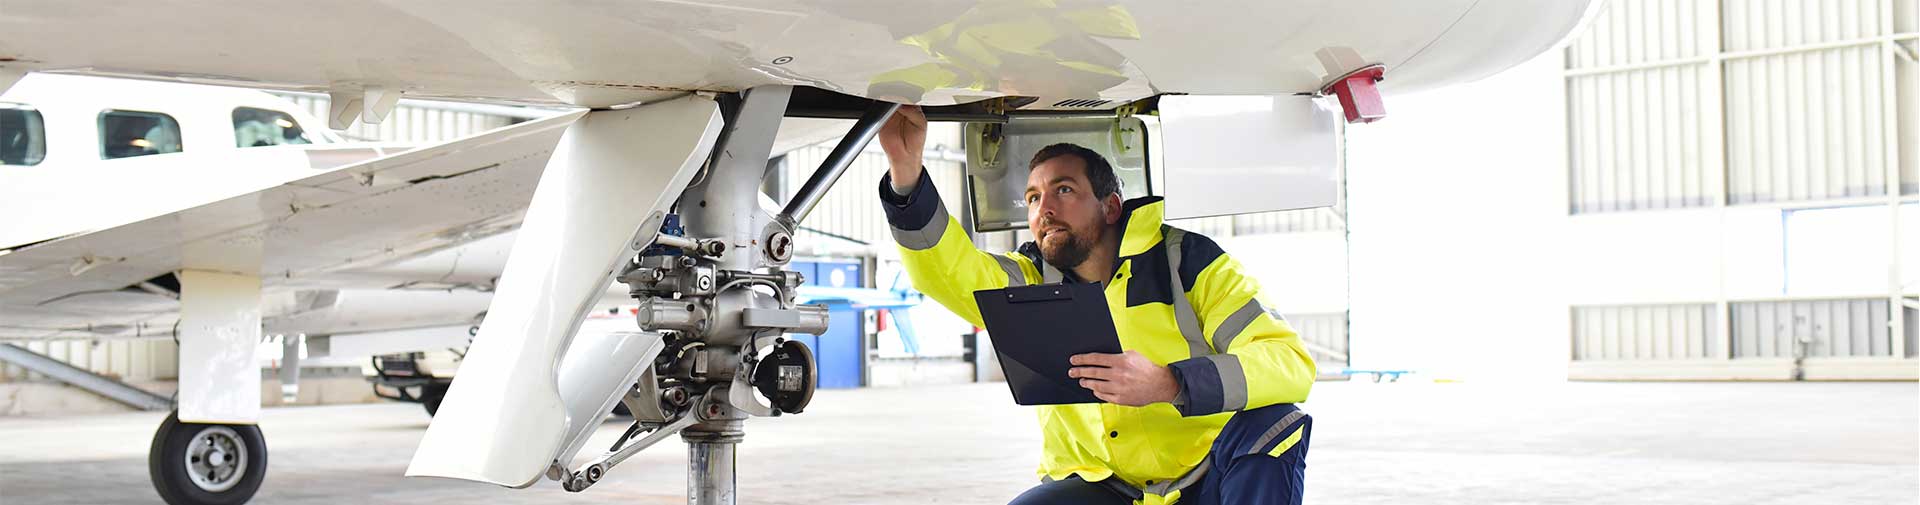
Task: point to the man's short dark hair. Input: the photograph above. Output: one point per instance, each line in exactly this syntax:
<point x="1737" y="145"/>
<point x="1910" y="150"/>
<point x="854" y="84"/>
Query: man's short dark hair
<point x="1099" y="173"/>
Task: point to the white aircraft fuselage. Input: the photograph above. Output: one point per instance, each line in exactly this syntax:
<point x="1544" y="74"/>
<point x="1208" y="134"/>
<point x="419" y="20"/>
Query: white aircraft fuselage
<point x="686" y="97"/>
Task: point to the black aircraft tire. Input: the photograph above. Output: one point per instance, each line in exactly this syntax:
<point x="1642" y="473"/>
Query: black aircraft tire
<point x="232" y="458"/>
<point x="430" y="396"/>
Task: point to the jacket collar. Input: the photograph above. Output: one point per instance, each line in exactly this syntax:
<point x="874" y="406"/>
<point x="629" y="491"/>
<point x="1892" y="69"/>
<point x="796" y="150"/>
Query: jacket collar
<point x="1140" y="221"/>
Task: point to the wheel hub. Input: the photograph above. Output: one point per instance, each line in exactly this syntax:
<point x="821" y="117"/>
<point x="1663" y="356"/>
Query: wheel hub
<point x="216" y="459"/>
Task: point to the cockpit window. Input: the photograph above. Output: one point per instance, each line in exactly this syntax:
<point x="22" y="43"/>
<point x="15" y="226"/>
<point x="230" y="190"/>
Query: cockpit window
<point x="126" y="133"/>
<point x="23" y="135"/>
<point x="261" y="127"/>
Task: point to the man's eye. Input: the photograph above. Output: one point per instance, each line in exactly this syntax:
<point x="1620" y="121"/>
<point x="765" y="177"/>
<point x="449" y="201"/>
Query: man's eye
<point x="1032" y="198"/>
<point x="1066" y="189"/>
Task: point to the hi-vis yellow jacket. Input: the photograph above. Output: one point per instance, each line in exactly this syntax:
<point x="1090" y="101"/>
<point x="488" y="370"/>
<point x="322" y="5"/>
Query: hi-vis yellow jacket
<point x="1240" y="357"/>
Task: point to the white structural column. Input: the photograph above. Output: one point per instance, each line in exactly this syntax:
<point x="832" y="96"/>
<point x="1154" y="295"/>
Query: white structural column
<point x="219" y="332"/>
<point x="1889" y="95"/>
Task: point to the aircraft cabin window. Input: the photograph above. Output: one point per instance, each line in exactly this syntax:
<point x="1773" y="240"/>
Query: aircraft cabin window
<point x="126" y="133"/>
<point x="261" y="127"/>
<point x="23" y="135"/>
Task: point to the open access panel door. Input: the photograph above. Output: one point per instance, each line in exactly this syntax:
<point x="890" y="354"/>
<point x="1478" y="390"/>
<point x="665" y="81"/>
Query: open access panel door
<point x="1207" y="155"/>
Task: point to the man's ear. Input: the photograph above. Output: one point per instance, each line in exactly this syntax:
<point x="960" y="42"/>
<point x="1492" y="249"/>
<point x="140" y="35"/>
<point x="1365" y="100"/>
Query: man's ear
<point x="1111" y="208"/>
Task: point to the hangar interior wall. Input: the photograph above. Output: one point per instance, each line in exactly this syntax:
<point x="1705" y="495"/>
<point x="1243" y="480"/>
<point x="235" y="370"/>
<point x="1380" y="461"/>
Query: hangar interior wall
<point x="1742" y="190"/>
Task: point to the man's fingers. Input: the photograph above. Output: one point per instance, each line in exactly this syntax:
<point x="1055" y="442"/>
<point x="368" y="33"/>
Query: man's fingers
<point x="1095" y="359"/>
<point x="1090" y="372"/>
<point x="1097" y="386"/>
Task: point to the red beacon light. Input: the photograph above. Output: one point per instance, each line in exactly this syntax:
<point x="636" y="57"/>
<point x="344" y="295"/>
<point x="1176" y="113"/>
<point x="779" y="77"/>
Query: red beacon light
<point x="1358" y="96"/>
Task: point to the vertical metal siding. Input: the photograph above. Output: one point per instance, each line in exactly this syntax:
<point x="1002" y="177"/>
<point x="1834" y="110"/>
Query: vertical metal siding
<point x="133" y="360"/>
<point x="850" y="208"/>
<point x="408" y="123"/>
<point x="1636" y="141"/>
<point x="1913" y="331"/>
<point x="1290" y="221"/>
<point x="1807" y="89"/>
<point x="1829" y="328"/>
<point x="1628" y="32"/>
<point x="1769" y="24"/>
<point x="1326" y="330"/>
<point x="1635" y="134"/>
<point x="1644" y="332"/>
<point x="1807" y="126"/>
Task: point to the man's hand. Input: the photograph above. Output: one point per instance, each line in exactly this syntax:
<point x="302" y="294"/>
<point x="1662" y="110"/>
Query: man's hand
<point x="903" y="138"/>
<point x="1127" y="379"/>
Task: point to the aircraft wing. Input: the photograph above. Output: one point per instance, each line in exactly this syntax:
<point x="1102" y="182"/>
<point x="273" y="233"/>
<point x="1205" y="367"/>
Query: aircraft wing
<point x="938" y="52"/>
<point x="117" y="281"/>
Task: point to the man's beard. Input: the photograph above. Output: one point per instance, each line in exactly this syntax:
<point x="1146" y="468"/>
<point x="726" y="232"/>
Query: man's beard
<point x="1069" y="254"/>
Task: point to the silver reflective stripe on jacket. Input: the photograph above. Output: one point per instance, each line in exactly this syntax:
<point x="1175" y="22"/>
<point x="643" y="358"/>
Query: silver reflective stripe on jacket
<point x="927" y="236"/>
<point x="1015" y="277"/>
<point x="1183" y="313"/>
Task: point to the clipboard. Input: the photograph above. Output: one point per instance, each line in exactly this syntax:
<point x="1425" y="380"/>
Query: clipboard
<point x="1035" y="329"/>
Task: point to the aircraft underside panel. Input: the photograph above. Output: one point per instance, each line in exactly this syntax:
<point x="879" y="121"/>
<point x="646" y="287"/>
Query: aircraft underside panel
<point x="1077" y="55"/>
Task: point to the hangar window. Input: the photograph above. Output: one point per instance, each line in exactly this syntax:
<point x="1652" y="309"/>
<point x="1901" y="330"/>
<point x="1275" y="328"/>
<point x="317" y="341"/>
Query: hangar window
<point x="261" y="127"/>
<point x="23" y="135"/>
<point x="125" y="134"/>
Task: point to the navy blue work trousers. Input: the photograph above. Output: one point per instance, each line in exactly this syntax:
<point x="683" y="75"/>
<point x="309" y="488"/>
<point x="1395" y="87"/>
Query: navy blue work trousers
<point x="1240" y="469"/>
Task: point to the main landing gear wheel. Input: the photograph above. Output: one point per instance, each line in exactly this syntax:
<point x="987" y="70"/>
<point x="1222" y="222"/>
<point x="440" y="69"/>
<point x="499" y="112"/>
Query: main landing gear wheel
<point x="206" y="464"/>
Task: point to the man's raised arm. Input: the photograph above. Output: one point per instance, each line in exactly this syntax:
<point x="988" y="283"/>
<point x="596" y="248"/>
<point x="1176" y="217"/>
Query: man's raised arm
<point x="938" y="254"/>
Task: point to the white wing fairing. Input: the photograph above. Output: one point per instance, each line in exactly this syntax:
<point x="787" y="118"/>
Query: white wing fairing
<point x="614" y="173"/>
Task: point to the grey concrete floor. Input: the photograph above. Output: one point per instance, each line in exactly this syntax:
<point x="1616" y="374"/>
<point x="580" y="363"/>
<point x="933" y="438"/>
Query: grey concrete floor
<point x="1735" y="443"/>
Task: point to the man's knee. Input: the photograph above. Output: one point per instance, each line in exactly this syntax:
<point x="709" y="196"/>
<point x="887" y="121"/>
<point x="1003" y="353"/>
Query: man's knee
<point x="1069" y="491"/>
<point x="1263" y="430"/>
<point x="1260" y="457"/>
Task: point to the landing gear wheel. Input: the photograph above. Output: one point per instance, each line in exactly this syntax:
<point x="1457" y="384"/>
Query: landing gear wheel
<point x="430" y="396"/>
<point x="206" y="464"/>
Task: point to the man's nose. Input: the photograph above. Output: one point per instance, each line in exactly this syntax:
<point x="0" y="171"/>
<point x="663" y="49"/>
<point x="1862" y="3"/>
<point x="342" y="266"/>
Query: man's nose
<point x="1047" y="205"/>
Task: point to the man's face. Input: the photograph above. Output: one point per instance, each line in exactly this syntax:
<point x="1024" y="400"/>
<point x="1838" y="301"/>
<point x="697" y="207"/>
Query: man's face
<point x="1064" y="216"/>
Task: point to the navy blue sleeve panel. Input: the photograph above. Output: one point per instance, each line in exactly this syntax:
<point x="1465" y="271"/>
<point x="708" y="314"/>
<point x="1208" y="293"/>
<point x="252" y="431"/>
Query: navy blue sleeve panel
<point x="1200" y="385"/>
<point x="913" y="211"/>
<point x="1197" y="252"/>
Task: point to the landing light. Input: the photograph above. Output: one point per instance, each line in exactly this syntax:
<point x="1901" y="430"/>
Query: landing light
<point x="142" y="143"/>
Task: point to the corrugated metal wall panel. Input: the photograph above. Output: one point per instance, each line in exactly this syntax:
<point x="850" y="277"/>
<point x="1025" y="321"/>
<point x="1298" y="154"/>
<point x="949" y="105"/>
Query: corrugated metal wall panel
<point x="1802" y="121"/>
<point x="1913" y="332"/>
<point x="409" y="123"/>
<point x="1807" y="126"/>
<point x="1290" y="221"/>
<point x="850" y="208"/>
<point x="1828" y="328"/>
<point x="1768" y="24"/>
<point x="1221" y="226"/>
<point x="1327" y="330"/>
<point x="1635" y="140"/>
<point x="133" y="360"/>
<point x="1644" y="332"/>
<point x="1617" y="33"/>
